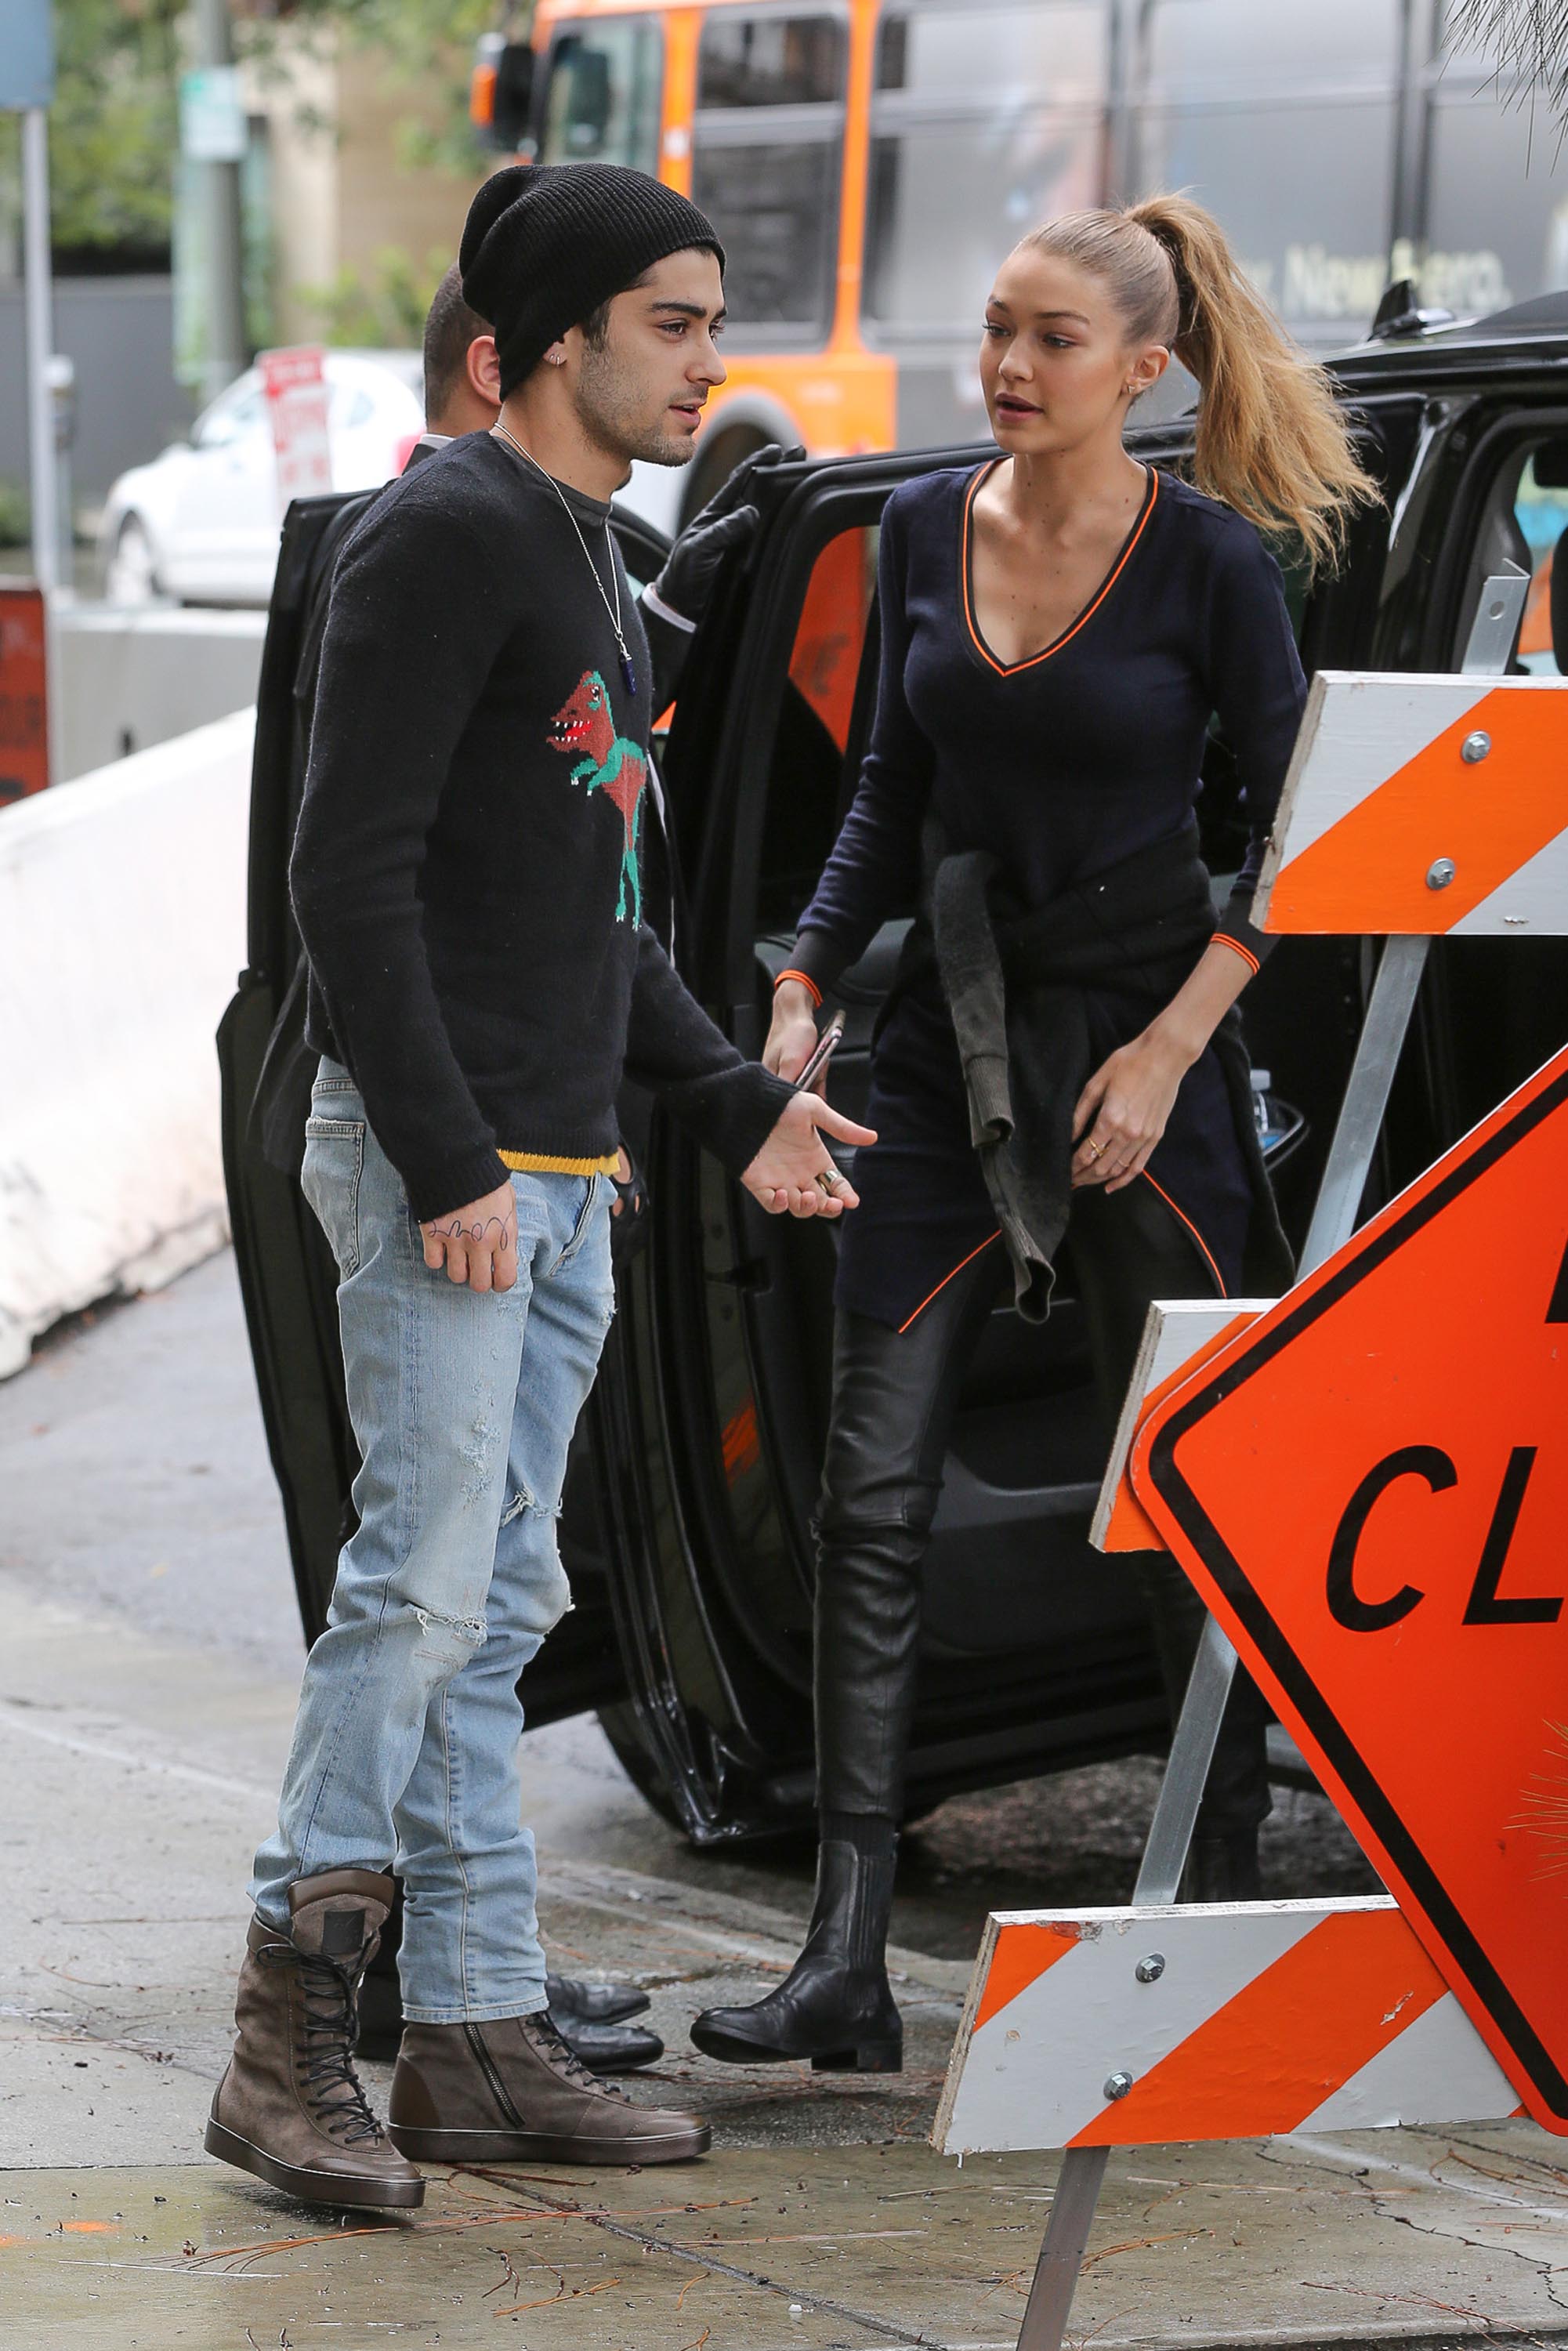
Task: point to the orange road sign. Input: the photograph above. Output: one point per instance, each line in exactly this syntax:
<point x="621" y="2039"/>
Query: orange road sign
<point x="1369" y="1488"/>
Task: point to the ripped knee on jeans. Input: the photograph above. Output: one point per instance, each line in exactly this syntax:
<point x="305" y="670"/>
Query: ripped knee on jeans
<point x="465" y="1631"/>
<point x="523" y="1500"/>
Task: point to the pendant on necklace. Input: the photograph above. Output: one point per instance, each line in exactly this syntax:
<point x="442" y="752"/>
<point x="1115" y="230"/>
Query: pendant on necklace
<point x="628" y="673"/>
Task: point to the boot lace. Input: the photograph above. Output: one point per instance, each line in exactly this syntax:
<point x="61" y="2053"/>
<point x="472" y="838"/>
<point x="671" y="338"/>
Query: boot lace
<point x="559" y="2051"/>
<point x="329" y="1992"/>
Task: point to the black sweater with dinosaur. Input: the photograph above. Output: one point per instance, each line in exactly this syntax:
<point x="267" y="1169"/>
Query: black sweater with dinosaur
<point x="465" y="870"/>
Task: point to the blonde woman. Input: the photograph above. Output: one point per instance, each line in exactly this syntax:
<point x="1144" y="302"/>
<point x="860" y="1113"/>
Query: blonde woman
<point x="1060" y="1057"/>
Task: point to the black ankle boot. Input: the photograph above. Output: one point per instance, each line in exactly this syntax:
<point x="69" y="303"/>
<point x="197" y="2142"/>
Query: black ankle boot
<point x="1223" y="1869"/>
<point x="835" y="2006"/>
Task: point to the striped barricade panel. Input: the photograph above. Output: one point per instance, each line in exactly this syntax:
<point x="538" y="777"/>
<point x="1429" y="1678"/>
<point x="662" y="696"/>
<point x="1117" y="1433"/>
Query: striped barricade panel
<point x="1138" y="2027"/>
<point x="1180" y="1334"/>
<point x="1424" y="807"/>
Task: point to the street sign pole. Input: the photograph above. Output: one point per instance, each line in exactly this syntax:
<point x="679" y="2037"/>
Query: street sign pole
<point x="42" y="481"/>
<point x="1390" y="1007"/>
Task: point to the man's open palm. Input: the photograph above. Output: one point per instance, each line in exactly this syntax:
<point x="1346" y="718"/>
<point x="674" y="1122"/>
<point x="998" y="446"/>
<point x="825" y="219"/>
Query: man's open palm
<point x="783" y="1175"/>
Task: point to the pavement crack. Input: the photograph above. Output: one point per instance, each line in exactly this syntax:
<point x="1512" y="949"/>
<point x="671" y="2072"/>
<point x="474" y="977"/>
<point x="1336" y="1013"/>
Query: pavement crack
<point x="1385" y="2204"/>
<point x="705" y="2259"/>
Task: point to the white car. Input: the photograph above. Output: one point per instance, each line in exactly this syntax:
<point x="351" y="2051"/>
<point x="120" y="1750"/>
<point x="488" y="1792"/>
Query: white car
<point x="200" y="523"/>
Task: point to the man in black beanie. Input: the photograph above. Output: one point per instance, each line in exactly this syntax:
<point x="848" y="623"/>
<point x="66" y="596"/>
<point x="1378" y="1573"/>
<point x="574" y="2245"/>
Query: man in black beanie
<point x="466" y="882"/>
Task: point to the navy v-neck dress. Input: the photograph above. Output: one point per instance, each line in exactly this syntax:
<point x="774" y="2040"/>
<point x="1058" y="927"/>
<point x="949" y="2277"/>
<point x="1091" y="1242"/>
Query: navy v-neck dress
<point x="1061" y="766"/>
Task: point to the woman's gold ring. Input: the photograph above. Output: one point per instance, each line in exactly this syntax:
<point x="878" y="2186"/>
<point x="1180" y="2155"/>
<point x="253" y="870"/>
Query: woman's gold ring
<point x="1097" y="1148"/>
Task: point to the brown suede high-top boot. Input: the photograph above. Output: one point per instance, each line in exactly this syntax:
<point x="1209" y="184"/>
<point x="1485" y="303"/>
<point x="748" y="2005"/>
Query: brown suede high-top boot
<point x="510" y="2091"/>
<point x="290" y="2108"/>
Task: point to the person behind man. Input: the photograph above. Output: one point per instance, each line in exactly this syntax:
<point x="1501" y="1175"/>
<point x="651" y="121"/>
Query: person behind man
<point x="467" y="884"/>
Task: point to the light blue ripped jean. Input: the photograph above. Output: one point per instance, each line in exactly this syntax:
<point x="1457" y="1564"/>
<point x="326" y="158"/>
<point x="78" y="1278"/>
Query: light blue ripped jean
<point x="406" y="1744"/>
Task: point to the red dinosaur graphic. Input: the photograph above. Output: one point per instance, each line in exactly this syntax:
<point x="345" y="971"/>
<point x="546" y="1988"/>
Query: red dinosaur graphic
<point x="612" y="764"/>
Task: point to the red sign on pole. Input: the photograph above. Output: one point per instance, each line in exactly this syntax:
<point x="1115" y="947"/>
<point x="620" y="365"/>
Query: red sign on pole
<point x="295" y="389"/>
<point x="24" y="690"/>
<point x="1369" y="1488"/>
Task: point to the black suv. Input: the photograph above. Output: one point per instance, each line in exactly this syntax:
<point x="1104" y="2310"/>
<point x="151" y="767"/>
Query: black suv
<point x="686" y="1526"/>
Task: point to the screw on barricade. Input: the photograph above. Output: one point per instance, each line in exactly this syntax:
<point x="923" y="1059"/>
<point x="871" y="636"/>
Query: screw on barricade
<point x="1430" y="888"/>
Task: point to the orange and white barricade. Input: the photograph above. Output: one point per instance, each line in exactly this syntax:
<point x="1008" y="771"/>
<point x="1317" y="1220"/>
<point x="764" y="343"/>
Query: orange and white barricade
<point x="1415" y="808"/>
<point x="1254" y="2019"/>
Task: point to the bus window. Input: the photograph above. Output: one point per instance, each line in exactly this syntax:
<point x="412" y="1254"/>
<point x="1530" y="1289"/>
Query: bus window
<point x="771" y="61"/>
<point x="1497" y="221"/>
<point x="602" y="96"/>
<point x="985" y="120"/>
<point x="766" y="147"/>
<point x="1281" y="122"/>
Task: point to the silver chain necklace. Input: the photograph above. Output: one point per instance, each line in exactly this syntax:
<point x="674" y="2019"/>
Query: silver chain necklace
<point x="613" y="611"/>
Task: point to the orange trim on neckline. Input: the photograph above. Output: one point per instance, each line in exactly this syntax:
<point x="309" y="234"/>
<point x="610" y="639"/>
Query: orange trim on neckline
<point x="947" y="1277"/>
<point x="1198" y="1237"/>
<point x="1032" y="661"/>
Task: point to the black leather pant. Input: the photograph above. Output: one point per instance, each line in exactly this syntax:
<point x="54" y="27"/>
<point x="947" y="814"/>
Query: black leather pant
<point x="894" y="1397"/>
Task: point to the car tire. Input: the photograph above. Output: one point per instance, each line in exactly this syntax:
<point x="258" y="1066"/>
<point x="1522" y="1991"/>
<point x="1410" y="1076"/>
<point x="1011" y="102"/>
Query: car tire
<point x="637" y="1759"/>
<point x="133" y="574"/>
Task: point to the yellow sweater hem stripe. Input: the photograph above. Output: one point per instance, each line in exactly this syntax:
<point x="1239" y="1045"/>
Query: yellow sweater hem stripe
<point x="539" y="1163"/>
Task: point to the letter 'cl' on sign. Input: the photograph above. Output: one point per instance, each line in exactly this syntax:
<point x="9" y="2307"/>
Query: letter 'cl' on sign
<point x="1369" y="1487"/>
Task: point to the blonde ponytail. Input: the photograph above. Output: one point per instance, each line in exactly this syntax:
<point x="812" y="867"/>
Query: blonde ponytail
<point x="1271" y="438"/>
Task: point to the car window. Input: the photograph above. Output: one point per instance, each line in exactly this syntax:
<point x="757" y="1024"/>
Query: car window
<point x="815" y="755"/>
<point x="233" y="414"/>
<point x="767" y="149"/>
<point x="602" y="95"/>
<point x="351" y="407"/>
<point x="1521" y="526"/>
<point x="1541" y="511"/>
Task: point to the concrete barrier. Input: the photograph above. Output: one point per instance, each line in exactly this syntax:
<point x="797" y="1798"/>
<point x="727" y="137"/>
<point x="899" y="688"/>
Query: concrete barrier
<point x="122" y="930"/>
<point x="126" y="677"/>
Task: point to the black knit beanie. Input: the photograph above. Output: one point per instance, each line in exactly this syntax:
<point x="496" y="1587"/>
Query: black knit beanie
<point x="544" y="244"/>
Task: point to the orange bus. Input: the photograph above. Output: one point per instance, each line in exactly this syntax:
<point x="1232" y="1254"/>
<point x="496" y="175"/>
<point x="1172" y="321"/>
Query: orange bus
<point x="867" y="162"/>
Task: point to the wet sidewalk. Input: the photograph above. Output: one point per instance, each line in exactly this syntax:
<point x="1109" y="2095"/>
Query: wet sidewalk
<point x="147" y="1679"/>
<point x="1420" y="2238"/>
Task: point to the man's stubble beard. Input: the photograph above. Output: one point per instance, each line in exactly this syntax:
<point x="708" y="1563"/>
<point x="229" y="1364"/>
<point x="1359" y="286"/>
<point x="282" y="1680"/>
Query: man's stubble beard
<point x="613" y="409"/>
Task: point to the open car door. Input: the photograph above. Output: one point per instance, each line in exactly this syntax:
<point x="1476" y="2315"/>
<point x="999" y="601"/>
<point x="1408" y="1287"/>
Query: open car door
<point x="287" y="1277"/>
<point x="1036" y="1653"/>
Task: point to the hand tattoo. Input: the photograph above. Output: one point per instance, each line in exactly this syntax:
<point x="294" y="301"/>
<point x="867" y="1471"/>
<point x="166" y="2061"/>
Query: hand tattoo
<point x="458" y="1230"/>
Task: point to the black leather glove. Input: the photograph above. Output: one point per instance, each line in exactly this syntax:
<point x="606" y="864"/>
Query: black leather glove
<point x="675" y="602"/>
<point x="629" y="1216"/>
<point x="726" y="522"/>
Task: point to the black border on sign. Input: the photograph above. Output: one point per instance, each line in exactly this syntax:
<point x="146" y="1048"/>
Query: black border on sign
<point x="1275" y="1649"/>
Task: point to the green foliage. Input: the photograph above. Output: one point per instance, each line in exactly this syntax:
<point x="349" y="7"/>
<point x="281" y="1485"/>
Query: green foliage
<point x="15" y="530"/>
<point x="420" y="44"/>
<point x="113" y="127"/>
<point x="384" y="312"/>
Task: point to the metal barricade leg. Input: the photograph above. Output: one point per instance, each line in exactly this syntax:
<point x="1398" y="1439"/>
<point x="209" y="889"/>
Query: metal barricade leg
<point x="1165" y="1858"/>
<point x="1389" y="1011"/>
<point x="1082" y="2173"/>
<point x="1061" y="2255"/>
